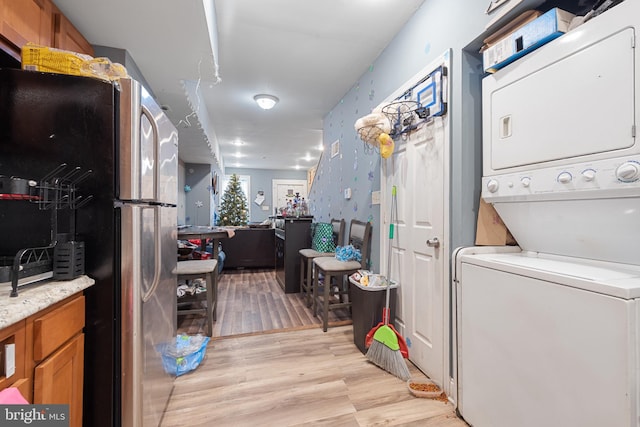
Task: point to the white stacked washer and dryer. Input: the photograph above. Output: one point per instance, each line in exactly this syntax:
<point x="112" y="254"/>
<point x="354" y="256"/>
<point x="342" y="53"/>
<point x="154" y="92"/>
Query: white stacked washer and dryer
<point x="548" y="333"/>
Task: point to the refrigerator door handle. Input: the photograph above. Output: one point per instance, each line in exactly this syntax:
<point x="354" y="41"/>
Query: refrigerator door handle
<point x="156" y="145"/>
<point x="157" y="256"/>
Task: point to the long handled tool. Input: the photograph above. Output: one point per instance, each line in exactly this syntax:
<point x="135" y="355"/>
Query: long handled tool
<point x="386" y="311"/>
<point x="387" y="348"/>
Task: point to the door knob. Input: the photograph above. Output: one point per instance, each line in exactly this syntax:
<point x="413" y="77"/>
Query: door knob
<point x="434" y="243"/>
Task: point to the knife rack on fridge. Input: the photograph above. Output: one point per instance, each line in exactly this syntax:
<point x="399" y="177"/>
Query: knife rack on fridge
<point x="63" y="258"/>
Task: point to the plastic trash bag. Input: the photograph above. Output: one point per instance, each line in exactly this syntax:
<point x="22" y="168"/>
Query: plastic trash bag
<point x="348" y="253"/>
<point x="184" y="354"/>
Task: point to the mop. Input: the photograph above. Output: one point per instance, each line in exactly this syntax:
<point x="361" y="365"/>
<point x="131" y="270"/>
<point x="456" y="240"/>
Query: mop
<point x="387" y="348"/>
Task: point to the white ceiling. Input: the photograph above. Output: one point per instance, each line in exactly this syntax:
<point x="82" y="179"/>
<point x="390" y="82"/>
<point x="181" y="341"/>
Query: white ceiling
<point x="308" y="53"/>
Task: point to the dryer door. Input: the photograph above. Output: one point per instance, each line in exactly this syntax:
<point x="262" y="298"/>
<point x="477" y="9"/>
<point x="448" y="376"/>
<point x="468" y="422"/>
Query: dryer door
<point x="574" y="101"/>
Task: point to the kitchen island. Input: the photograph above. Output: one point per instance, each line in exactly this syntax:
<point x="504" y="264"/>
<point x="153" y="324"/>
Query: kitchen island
<point x="203" y="233"/>
<point x="250" y="248"/>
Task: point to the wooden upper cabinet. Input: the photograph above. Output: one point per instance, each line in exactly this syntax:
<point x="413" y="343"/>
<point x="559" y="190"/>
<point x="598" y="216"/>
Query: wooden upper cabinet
<point x="40" y="22"/>
<point x="67" y="37"/>
<point x="23" y="21"/>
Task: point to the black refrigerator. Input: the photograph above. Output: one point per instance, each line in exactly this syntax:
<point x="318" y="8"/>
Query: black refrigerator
<point x="112" y="142"/>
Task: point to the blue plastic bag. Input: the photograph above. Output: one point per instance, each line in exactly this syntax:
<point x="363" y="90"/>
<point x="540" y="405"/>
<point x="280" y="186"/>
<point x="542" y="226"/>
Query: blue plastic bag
<point x="348" y="253"/>
<point x="184" y="354"/>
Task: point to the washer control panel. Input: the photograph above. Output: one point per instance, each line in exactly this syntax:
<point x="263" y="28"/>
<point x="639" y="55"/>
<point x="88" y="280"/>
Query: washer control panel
<point x="604" y="178"/>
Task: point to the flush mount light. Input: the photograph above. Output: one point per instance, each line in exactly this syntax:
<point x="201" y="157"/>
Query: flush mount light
<point x="266" y="102"/>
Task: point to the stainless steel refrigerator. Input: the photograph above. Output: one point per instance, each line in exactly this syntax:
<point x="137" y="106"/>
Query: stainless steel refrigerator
<point x="118" y="137"/>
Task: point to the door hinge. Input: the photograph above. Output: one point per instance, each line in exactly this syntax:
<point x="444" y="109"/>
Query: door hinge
<point x="633" y="131"/>
<point x="633" y="41"/>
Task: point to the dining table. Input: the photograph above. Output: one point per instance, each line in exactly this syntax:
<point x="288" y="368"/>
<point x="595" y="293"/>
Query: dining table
<point x="203" y="233"/>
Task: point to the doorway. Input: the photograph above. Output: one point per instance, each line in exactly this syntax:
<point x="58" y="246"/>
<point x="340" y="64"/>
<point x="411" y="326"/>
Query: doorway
<point x="420" y="251"/>
<point x="286" y="189"/>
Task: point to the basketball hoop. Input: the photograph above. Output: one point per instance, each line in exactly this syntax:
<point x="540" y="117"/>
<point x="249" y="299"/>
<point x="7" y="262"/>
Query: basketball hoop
<point x="400" y="114"/>
<point x="370" y="127"/>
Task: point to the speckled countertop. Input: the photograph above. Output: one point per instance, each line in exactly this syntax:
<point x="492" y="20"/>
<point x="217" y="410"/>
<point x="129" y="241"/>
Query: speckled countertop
<point x="36" y="297"/>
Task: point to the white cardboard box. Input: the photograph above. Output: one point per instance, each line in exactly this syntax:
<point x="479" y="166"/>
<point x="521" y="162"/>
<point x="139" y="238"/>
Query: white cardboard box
<point x="527" y="38"/>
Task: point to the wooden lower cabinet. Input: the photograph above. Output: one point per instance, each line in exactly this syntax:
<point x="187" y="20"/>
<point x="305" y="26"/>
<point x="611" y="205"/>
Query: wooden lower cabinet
<point x="50" y="356"/>
<point x="15" y="334"/>
<point x="59" y="379"/>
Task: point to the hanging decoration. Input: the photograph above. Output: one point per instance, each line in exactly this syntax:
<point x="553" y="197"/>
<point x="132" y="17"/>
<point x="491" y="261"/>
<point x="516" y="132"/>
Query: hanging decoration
<point x="386" y="145"/>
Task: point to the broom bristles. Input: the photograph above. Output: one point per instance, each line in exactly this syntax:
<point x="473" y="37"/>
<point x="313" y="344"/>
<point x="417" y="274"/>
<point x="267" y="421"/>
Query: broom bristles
<point x="388" y="359"/>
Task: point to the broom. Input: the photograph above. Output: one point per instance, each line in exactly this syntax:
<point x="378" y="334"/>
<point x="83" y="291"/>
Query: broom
<point x="385" y="347"/>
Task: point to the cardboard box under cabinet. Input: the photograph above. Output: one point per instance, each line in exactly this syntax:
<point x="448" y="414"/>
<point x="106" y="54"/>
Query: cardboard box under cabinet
<point x="527" y="38"/>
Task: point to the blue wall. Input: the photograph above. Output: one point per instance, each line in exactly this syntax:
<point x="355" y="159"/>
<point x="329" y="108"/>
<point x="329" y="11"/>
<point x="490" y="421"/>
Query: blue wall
<point x="199" y="201"/>
<point x="437" y="26"/>
<point x="261" y="180"/>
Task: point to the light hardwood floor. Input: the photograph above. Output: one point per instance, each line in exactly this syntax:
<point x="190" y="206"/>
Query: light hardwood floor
<point x="292" y="378"/>
<point x="251" y="301"/>
<point x="260" y="374"/>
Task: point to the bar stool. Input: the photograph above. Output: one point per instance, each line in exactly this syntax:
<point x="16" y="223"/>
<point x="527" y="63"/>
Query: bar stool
<point x="307" y="256"/>
<point x="330" y="267"/>
<point x="201" y="269"/>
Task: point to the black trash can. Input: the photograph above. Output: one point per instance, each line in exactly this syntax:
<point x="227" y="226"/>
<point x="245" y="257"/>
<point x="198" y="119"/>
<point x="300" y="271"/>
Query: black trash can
<point x="367" y="303"/>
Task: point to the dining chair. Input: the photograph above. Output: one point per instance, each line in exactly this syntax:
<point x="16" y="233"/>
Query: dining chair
<point x="332" y="292"/>
<point x="307" y="256"/>
<point x="200" y="269"/>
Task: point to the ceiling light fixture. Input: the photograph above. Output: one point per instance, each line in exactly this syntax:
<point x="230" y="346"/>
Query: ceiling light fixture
<point x="266" y="102"/>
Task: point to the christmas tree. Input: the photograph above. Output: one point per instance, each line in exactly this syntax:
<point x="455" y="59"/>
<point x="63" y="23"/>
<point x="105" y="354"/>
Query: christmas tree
<point x="233" y="207"/>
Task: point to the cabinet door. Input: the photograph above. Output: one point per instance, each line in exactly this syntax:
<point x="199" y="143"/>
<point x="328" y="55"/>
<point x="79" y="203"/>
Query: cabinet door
<point x="14" y="334"/>
<point x="67" y="37"/>
<point x="25" y="21"/>
<point x="59" y="379"/>
<point x="56" y="327"/>
<point x="24" y="386"/>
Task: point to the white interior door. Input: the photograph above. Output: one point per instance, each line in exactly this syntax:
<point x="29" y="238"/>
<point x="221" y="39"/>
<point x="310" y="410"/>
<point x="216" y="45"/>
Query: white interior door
<point x="420" y="251"/>
<point x="285" y="189"/>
